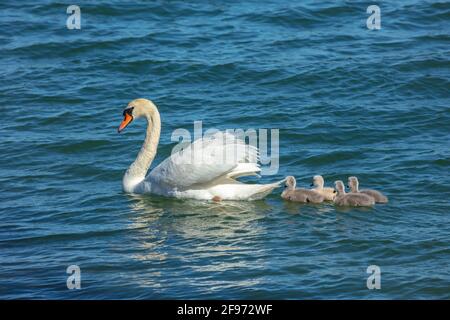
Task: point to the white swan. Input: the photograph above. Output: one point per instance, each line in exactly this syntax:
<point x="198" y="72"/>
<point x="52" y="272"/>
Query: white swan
<point x="199" y="171"/>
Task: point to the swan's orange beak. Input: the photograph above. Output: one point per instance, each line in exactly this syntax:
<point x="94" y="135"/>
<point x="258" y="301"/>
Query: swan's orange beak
<point x="126" y="121"/>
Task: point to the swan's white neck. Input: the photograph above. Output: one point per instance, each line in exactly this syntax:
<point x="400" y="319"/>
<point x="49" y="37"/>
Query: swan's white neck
<point x="138" y="169"/>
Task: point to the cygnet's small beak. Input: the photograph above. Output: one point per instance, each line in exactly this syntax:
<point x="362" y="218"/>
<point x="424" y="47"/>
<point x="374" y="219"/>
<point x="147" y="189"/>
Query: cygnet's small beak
<point x="125" y="122"/>
<point x="311" y="185"/>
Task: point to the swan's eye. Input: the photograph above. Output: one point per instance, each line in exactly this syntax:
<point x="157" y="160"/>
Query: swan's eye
<point x="128" y="111"/>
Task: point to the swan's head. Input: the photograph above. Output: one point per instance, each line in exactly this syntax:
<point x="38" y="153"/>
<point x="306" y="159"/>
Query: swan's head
<point x="353" y="184"/>
<point x="137" y="108"/>
<point x="339" y="187"/>
<point x="318" y="182"/>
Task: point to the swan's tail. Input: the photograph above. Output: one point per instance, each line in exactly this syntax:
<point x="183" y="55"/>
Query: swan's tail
<point x="230" y="189"/>
<point x="264" y="190"/>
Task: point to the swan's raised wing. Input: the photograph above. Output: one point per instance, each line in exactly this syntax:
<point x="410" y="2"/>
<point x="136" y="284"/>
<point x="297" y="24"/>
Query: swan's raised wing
<point x="220" y="155"/>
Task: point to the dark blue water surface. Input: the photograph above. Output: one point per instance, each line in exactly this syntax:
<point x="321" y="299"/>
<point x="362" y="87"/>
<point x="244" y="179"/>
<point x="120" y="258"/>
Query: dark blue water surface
<point x="347" y="101"/>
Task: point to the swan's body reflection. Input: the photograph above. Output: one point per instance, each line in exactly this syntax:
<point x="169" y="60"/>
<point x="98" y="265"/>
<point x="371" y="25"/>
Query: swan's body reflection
<point x="189" y="236"/>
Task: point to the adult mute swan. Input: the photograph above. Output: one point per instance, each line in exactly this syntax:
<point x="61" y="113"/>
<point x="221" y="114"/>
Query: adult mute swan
<point x="198" y="171"/>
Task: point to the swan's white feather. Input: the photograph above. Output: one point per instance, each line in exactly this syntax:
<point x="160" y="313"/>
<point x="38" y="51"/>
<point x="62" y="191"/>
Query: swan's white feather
<point x="205" y="160"/>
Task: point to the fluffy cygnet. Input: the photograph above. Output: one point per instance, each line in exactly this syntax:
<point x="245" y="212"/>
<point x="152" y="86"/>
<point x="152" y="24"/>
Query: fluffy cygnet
<point x="353" y="184"/>
<point x="327" y="193"/>
<point x="300" y="195"/>
<point x="351" y="199"/>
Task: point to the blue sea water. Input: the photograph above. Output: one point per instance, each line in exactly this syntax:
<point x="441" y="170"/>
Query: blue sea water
<point x="346" y="100"/>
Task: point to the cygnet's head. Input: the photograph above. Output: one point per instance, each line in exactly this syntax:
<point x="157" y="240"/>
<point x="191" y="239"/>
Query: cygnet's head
<point x="290" y="183"/>
<point x="339" y="187"/>
<point x="318" y="182"/>
<point x="289" y="186"/>
<point x="353" y="184"/>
